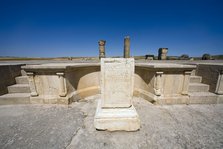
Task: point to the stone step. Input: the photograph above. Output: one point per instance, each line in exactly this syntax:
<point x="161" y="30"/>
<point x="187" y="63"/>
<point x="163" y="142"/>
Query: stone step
<point x="15" y="98"/>
<point x="195" y="79"/>
<point x="19" y="88"/>
<point x="198" y="87"/>
<point x="22" y="80"/>
<point x="23" y="72"/>
<point x="203" y="98"/>
<point x="220" y="99"/>
<point x="193" y="73"/>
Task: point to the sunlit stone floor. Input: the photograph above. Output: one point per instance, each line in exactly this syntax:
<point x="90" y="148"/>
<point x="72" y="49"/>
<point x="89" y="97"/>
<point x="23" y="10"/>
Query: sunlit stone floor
<point x="56" y="126"/>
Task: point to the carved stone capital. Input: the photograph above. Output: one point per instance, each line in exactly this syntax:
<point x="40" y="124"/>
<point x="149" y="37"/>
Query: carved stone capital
<point x="101" y="42"/>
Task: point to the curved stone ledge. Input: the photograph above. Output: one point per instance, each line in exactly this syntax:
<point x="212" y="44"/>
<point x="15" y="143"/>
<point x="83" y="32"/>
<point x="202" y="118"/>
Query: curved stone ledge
<point x="144" y="94"/>
<point x="83" y="93"/>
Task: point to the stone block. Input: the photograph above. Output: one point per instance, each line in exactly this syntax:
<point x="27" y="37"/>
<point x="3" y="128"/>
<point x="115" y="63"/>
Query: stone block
<point x="117" y="81"/>
<point x="202" y="98"/>
<point x="198" y="87"/>
<point x="19" y="88"/>
<point x="220" y="99"/>
<point x="15" y="98"/>
<point x="195" y="79"/>
<point x="113" y="119"/>
<point x="22" y="80"/>
<point x="115" y="110"/>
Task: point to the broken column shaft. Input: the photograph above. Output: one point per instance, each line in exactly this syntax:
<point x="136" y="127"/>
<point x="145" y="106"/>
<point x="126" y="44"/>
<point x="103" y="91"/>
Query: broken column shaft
<point x="162" y="53"/>
<point x="127" y="47"/>
<point x="101" y="48"/>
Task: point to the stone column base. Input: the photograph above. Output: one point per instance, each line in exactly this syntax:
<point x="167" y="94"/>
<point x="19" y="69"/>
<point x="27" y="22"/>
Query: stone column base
<point x="115" y="119"/>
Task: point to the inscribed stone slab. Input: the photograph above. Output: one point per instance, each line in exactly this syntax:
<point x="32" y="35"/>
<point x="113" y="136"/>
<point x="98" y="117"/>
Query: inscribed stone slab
<point x="117" y="80"/>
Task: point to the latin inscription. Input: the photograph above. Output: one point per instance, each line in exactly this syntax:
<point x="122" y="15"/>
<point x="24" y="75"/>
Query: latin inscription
<point x="117" y="81"/>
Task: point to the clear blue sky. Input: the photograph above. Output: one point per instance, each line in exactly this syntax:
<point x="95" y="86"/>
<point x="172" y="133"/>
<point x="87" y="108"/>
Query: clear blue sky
<point x="56" y="28"/>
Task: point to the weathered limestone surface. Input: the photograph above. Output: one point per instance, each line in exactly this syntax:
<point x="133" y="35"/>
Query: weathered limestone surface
<point x="117" y="81"/>
<point x="38" y="126"/>
<point x="83" y="82"/>
<point x="115" y="119"/>
<point x="62" y="83"/>
<point x="159" y="83"/>
<point x="153" y="82"/>
<point x="163" y="83"/>
<point x="56" y="127"/>
<point x="48" y="88"/>
<point x="115" y="110"/>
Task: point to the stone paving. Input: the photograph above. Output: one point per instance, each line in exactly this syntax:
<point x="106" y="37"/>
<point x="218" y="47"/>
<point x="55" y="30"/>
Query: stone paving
<point x="56" y="126"/>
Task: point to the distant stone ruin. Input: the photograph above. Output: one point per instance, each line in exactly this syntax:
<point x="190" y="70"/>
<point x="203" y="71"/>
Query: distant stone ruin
<point x="127" y="47"/>
<point x="162" y="53"/>
<point x="101" y="48"/>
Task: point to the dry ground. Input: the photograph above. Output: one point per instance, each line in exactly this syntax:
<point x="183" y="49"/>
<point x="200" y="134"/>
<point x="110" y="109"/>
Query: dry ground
<point x="54" y="126"/>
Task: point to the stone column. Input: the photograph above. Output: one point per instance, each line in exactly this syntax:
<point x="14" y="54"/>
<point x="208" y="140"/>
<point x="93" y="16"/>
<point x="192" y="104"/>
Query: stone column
<point x="186" y="82"/>
<point x="158" y="83"/>
<point x="162" y="53"/>
<point x="62" y="85"/>
<point x="101" y="48"/>
<point x="32" y="84"/>
<point x="219" y="87"/>
<point x="127" y="47"/>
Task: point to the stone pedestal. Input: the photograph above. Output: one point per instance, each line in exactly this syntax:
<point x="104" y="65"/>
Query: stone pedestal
<point x="113" y="119"/>
<point x="115" y="110"/>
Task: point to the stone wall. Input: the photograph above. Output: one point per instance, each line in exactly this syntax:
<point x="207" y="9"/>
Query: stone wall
<point x="7" y="77"/>
<point x="65" y="83"/>
<point x="172" y="88"/>
<point x="210" y="74"/>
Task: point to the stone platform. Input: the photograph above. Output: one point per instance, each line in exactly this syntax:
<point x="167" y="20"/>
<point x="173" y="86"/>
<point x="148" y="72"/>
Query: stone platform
<point x="56" y="127"/>
<point x="159" y="82"/>
<point x="113" y="119"/>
